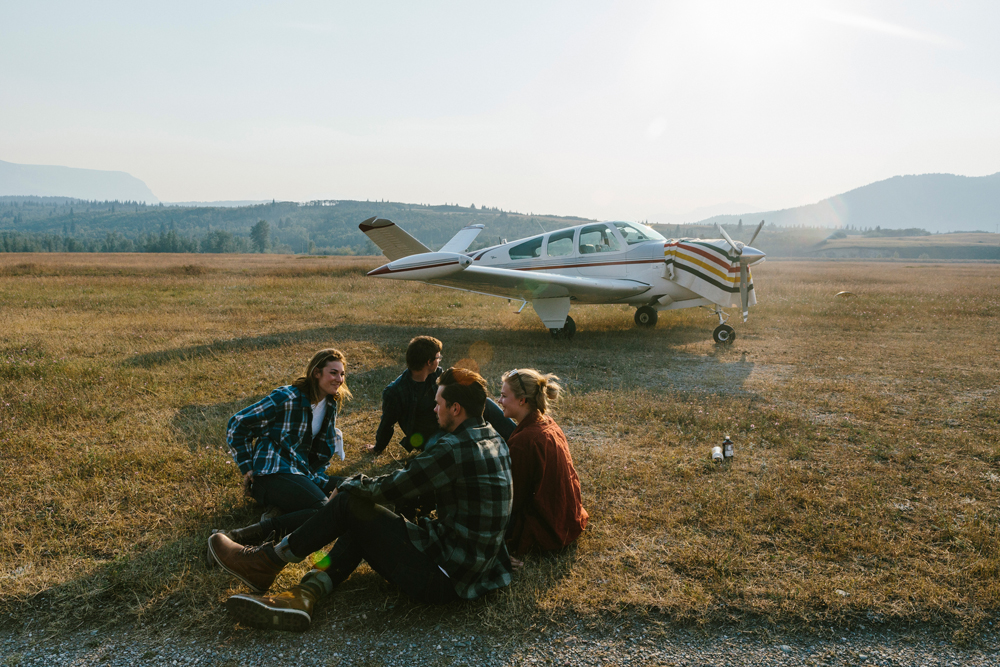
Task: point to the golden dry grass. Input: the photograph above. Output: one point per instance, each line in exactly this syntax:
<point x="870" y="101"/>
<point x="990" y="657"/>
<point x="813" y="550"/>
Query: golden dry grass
<point x="864" y="488"/>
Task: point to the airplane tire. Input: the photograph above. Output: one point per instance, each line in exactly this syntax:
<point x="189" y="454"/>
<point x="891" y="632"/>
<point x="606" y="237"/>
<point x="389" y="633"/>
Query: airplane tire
<point x="567" y="332"/>
<point x="646" y="316"/>
<point x="724" y="334"/>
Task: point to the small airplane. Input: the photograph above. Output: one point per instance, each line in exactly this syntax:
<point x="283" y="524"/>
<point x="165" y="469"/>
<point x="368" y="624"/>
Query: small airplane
<point x="595" y="263"/>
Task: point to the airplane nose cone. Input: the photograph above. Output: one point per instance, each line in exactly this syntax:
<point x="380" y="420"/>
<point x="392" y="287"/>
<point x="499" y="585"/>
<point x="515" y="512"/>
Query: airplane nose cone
<point x="751" y="255"/>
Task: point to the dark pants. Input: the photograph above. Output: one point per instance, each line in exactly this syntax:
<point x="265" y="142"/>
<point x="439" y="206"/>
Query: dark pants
<point x="370" y="532"/>
<point x="295" y="495"/>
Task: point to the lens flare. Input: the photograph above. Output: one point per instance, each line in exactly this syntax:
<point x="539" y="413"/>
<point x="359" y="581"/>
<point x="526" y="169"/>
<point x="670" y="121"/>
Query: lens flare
<point x="320" y="561"/>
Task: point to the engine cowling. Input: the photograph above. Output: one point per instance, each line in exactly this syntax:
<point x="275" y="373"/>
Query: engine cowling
<point x="423" y="266"/>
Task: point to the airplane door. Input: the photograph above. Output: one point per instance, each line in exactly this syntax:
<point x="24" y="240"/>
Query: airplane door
<point x="601" y="252"/>
<point x="560" y="252"/>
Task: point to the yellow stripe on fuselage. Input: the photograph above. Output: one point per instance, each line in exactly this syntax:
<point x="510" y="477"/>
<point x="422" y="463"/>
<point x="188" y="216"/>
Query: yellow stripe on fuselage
<point x="708" y="267"/>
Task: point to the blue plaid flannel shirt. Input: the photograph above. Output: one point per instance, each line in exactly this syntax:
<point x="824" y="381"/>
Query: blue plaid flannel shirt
<point x="468" y="472"/>
<point x="274" y="435"/>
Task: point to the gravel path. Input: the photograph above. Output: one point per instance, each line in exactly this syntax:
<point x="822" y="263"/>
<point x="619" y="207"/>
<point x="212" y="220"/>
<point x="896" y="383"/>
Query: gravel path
<point x="436" y="647"/>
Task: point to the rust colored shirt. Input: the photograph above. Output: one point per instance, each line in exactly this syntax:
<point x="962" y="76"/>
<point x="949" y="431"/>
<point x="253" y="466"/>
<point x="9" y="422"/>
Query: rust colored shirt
<point x="548" y="510"/>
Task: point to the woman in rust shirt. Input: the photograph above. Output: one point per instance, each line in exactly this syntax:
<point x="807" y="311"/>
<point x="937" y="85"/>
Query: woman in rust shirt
<point x="548" y="511"/>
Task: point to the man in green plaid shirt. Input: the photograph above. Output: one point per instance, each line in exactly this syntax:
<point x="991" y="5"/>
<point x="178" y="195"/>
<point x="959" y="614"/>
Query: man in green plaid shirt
<point x="458" y="555"/>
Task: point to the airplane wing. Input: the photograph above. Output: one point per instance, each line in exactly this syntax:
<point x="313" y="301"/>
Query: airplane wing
<point x="531" y="285"/>
<point x="461" y="241"/>
<point x="392" y="240"/>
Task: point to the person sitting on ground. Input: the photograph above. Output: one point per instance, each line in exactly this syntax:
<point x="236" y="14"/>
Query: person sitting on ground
<point x="283" y="444"/>
<point x="548" y="511"/>
<point x="458" y="555"/>
<point x="409" y="400"/>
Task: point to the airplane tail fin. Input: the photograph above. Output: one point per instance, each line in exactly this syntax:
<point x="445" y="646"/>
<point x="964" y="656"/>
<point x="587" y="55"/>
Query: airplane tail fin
<point x="461" y="241"/>
<point x="394" y="242"/>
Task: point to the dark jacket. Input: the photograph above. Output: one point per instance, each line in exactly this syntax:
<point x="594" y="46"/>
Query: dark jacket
<point x="411" y="405"/>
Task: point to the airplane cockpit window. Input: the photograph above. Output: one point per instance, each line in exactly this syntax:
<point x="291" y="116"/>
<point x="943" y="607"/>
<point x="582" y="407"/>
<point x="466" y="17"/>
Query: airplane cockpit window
<point x="527" y="250"/>
<point x="598" y="238"/>
<point x="636" y="233"/>
<point x="560" y="243"/>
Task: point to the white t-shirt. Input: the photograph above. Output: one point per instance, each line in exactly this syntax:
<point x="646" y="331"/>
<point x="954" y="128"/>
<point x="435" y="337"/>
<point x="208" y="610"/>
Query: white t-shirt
<point x="319" y="411"/>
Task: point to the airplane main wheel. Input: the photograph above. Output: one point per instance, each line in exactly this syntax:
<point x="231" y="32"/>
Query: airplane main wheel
<point x="724" y="334"/>
<point x="567" y="332"/>
<point x="646" y="316"/>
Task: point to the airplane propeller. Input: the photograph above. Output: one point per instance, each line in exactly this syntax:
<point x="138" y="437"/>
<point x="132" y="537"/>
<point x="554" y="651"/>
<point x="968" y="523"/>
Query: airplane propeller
<point x="746" y="258"/>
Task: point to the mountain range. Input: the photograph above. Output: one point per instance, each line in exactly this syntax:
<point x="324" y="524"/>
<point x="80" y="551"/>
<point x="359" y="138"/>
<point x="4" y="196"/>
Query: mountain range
<point x="934" y="202"/>
<point x="91" y="184"/>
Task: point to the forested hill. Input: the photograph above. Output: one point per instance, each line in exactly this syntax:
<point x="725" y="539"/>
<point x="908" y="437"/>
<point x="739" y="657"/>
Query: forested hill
<point x="324" y="227"/>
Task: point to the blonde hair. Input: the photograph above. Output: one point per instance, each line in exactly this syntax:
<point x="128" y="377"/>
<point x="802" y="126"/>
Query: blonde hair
<point x="538" y="389"/>
<point x="308" y="383"/>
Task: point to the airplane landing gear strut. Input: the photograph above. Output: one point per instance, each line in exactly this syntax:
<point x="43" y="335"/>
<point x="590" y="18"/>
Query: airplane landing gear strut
<point x="723" y="334"/>
<point x="567" y="332"/>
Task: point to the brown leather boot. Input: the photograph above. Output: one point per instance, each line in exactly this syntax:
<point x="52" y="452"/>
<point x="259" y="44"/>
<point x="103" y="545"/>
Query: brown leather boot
<point x="256" y="567"/>
<point x="291" y="610"/>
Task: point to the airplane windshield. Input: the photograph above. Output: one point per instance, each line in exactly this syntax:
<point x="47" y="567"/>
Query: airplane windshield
<point x="635" y="233"/>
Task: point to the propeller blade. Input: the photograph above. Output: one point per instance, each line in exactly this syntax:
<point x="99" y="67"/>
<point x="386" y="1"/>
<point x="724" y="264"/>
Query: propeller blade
<point x="744" y="292"/>
<point x="759" y="227"/>
<point x="737" y="249"/>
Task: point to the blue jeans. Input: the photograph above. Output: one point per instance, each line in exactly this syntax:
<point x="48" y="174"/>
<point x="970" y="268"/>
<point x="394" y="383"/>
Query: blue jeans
<point x="295" y="495"/>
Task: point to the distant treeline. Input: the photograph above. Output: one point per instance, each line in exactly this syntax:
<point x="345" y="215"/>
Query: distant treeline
<point x="169" y="241"/>
<point x="878" y="232"/>
<point x="60" y="224"/>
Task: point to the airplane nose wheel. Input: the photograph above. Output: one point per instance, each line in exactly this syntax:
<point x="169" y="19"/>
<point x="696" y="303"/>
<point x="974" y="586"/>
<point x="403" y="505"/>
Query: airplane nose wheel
<point x="646" y="316"/>
<point x="724" y="334"/>
<point x="567" y="332"/>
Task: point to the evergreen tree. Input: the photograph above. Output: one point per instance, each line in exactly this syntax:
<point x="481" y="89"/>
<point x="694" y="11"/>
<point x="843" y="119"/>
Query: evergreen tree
<point x="260" y="235"/>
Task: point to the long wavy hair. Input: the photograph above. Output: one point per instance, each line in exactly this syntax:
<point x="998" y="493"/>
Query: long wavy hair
<point x="308" y="383"/>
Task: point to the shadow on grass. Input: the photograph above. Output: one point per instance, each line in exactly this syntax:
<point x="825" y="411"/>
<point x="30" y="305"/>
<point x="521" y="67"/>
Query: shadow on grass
<point x="229" y="345"/>
<point x="592" y="360"/>
<point x="173" y="587"/>
<point x="398" y="336"/>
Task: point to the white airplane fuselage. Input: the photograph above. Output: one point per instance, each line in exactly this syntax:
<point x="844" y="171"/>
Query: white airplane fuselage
<point x="643" y="262"/>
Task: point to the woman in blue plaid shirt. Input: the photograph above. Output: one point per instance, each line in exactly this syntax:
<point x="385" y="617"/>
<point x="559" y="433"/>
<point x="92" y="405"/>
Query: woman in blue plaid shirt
<point x="284" y="442"/>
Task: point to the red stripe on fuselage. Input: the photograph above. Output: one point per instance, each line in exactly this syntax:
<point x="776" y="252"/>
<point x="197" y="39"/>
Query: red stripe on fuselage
<point x="707" y="255"/>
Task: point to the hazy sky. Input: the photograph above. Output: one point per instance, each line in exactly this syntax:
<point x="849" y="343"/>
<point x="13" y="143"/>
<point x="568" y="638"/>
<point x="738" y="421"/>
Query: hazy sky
<point x="630" y="110"/>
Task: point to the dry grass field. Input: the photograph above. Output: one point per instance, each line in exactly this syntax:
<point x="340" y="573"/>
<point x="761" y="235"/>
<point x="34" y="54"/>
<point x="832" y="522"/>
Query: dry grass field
<point x="864" y="490"/>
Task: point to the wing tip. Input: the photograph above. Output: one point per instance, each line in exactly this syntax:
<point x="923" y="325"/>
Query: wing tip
<point x="375" y="222"/>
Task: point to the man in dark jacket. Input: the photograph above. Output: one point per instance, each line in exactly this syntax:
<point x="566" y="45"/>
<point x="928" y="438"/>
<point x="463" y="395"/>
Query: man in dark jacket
<point x="409" y="400"/>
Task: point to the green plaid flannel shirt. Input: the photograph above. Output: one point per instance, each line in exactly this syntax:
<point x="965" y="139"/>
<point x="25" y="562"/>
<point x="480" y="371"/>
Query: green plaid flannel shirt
<point x="468" y="472"/>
